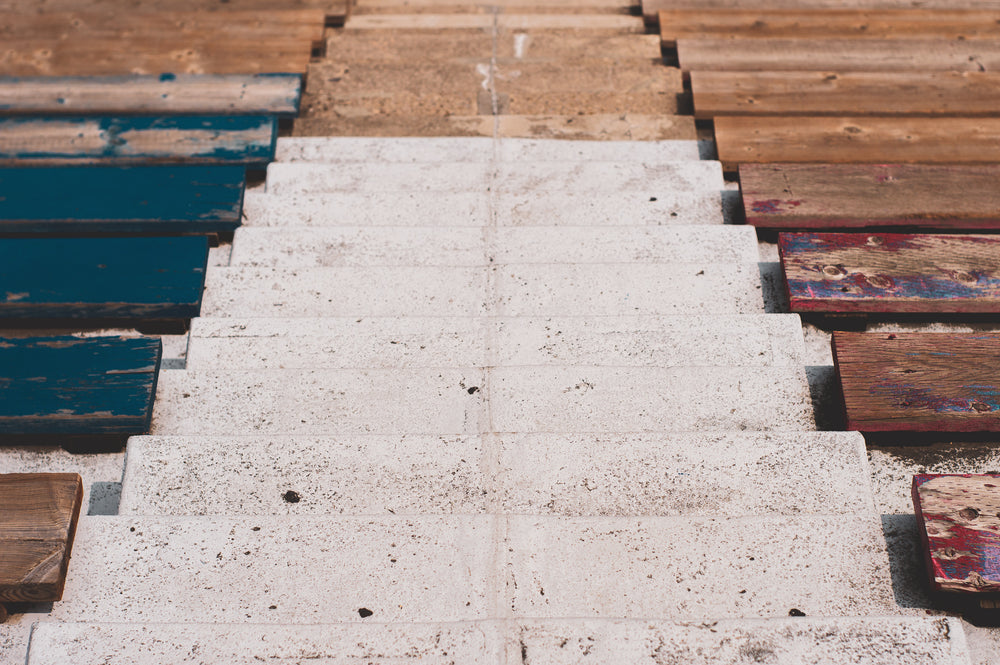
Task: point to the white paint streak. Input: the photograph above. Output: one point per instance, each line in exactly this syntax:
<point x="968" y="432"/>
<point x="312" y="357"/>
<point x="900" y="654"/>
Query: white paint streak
<point x="483" y="70"/>
<point x="521" y="40"/>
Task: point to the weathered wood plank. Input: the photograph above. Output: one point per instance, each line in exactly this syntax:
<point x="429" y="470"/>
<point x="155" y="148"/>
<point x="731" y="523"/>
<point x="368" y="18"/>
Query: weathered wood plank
<point x="891" y="272"/>
<point x="846" y="93"/>
<point x="137" y="140"/>
<point x="827" y="24"/>
<point x="958" y="516"/>
<point x="189" y="94"/>
<point x="652" y="8"/>
<point x="919" y="382"/>
<point x="109" y="278"/>
<point x="37" y="527"/>
<point x="112" y="199"/>
<point x="857" y="139"/>
<point x="79" y="386"/>
<point x="332" y="9"/>
<point x="829" y="196"/>
<point x="838" y="55"/>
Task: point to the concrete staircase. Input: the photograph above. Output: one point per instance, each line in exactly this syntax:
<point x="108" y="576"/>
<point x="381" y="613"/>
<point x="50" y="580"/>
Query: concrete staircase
<point x="479" y="434"/>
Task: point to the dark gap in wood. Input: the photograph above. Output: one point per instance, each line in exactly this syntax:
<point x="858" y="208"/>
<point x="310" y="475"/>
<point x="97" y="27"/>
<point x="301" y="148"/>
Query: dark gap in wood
<point x="64" y="326"/>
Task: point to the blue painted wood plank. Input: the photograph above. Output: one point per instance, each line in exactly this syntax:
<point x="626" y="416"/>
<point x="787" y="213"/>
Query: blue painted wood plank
<point x="165" y="94"/>
<point x="106" y="199"/>
<point x="55" y="140"/>
<point x="69" y="385"/>
<point x="109" y="278"/>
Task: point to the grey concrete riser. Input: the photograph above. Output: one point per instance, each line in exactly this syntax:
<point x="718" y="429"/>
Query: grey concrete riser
<point x="750" y="340"/>
<point x="513" y="290"/>
<point x="536" y="177"/>
<point x="456" y="568"/>
<point x="661" y="207"/>
<point x="469" y="246"/>
<point x="474" y="400"/>
<point x="667" y="474"/>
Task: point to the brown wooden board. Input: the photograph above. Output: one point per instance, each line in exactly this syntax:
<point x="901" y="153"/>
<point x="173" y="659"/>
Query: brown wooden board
<point x="919" y="382"/>
<point x="858" y="139"/>
<point x="827" y="24"/>
<point x="332" y="9"/>
<point x="833" y="55"/>
<point x="652" y="8"/>
<point x="37" y="526"/>
<point x="846" y="93"/>
<point x="832" y="196"/>
<point x="958" y="516"/>
<point x="891" y="272"/>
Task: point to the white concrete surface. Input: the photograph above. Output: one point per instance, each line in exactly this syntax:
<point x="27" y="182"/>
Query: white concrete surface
<point x="664" y="206"/>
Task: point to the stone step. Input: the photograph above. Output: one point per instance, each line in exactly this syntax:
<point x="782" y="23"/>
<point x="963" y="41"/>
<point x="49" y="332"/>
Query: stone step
<point x="753" y="340"/>
<point x="290" y="247"/>
<point x="888" y="640"/>
<point x="472" y="400"/>
<point x="605" y="24"/>
<point x="513" y="290"/>
<point x="539" y="177"/>
<point x="712" y="474"/>
<point x="335" y="150"/>
<point x="475" y="209"/>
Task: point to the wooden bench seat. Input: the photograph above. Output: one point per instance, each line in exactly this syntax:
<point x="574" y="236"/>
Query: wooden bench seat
<point x="958" y="516"/>
<point x="164" y="94"/>
<point x="891" y="272"/>
<point x="155" y="200"/>
<point x="124" y="279"/>
<point x="842" y="196"/>
<point x="37" y="526"/>
<point x="77" y="386"/>
<point x="59" y="140"/>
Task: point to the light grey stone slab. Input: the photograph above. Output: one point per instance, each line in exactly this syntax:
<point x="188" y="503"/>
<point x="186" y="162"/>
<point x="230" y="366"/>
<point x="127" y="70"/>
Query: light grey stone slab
<point x="630" y="399"/>
<point x="665" y="206"/>
<point x="345" y="291"/>
<point x="370" y="209"/>
<point x="554" y="150"/>
<point x="698" y="568"/>
<point x="305" y="178"/>
<point x="591" y="177"/>
<point x="319" y="402"/>
<point x="417" y="150"/>
<point x="626" y="289"/>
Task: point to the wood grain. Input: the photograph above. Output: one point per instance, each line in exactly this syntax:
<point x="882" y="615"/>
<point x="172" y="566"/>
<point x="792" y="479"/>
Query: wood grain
<point x="37" y="528"/>
<point x="857" y="139"/>
<point x="332" y="9"/>
<point x="80" y="386"/>
<point x="113" y="199"/>
<point x="184" y="94"/>
<point x="919" y="382"/>
<point x="830" y="196"/>
<point x="846" y="93"/>
<point x="838" y="55"/>
<point x="652" y="8"/>
<point x="958" y="516"/>
<point x="891" y="272"/>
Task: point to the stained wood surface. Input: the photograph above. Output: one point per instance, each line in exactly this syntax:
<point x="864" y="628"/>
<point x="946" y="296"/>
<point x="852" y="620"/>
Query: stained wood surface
<point x="652" y="8"/>
<point x="80" y="386"/>
<point x="857" y="139"/>
<point x="919" y="382"/>
<point x="109" y="278"/>
<point x="838" y="55"/>
<point x="332" y="9"/>
<point x="193" y="94"/>
<point x="827" y="24"/>
<point x="137" y="139"/>
<point x="891" y="272"/>
<point x="830" y="196"/>
<point x="958" y="516"/>
<point x="37" y="527"/>
<point x="845" y="93"/>
<point x="109" y="199"/>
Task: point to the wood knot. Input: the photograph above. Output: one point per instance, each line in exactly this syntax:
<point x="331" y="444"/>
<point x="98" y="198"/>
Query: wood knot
<point x="968" y="514"/>
<point x="964" y="277"/>
<point x="873" y="240"/>
<point x="880" y="281"/>
<point x="981" y="407"/>
<point x="836" y="272"/>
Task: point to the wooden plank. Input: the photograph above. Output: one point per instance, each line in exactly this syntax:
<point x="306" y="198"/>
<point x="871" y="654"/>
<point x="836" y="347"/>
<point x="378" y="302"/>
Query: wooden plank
<point x="829" y="196"/>
<point x="331" y="9"/>
<point x="919" y="382"/>
<point x="652" y="8"/>
<point x="132" y="140"/>
<point x="166" y="94"/>
<point x="958" y="516"/>
<point x="838" y="55"/>
<point x="37" y="528"/>
<point x="79" y="386"/>
<point x="827" y="24"/>
<point x="891" y="272"/>
<point x="103" y="278"/>
<point x="966" y="94"/>
<point x="857" y="139"/>
<point x="110" y="199"/>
